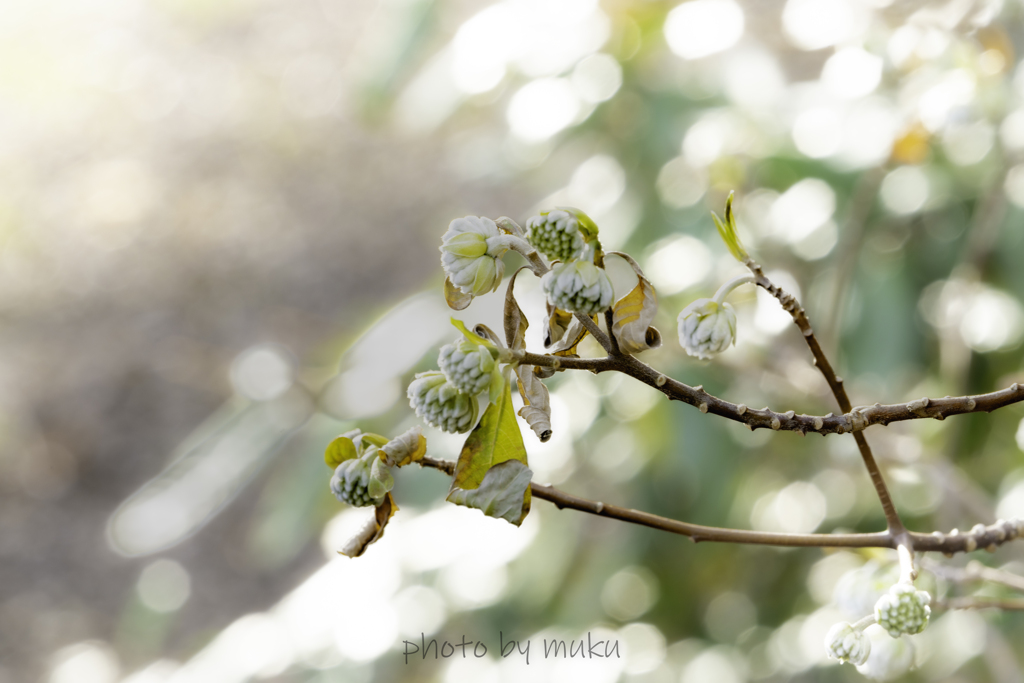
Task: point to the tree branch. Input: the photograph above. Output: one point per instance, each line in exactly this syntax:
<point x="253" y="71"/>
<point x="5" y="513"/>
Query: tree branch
<point x="980" y="536"/>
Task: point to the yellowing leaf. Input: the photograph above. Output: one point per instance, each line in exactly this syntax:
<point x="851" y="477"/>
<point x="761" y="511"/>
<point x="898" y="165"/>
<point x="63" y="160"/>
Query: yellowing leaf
<point x="558" y="323"/>
<point x="339" y="450"/>
<point x="632" y="314"/>
<point x="495" y="440"/>
<point x="373" y="530"/>
<point x="455" y="297"/>
<point x="503" y="493"/>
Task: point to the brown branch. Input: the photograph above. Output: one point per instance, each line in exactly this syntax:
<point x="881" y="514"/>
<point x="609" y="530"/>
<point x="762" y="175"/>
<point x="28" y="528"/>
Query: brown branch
<point x="954" y="542"/>
<point x="835" y="383"/>
<point x="975" y="571"/>
<point x="859" y="418"/>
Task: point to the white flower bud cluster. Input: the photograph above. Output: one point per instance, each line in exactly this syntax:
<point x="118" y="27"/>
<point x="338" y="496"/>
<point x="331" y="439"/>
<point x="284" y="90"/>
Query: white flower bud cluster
<point x="351" y="480"/>
<point x="707" y="328"/>
<point x="467" y="365"/>
<point x="904" y="609"/>
<point x="847" y="644"/>
<point x="439" y="403"/>
<point x="471" y="253"/>
<point x="556" y="234"/>
<point x="578" y="287"/>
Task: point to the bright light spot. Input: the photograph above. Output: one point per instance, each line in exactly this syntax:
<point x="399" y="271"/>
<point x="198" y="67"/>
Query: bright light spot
<point x="753" y="79"/>
<point x="992" y="321"/>
<point x="890" y="657"/>
<point x="818" y="132"/>
<point x="617" y="455"/>
<point x="991" y="62"/>
<point x="956" y="89"/>
<point x="633" y="400"/>
<point x="542" y="108"/>
<point x="826" y="573"/>
<point x="728" y="615"/>
<point x="819" y="243"/>
<point x="968" y="144"/>
<point x="159" y="671"/>
<point x="1011" y="505"/>
<point x="362" y="635"/>
<point x="716" y="133"/>
<point x="681" y="185"/>
<point x="677" y="263"/>
<point x="905" y="190"/>
<point x="472" y="670"/>
<point x="909" y="43"/>
<point x="118" y="194"/>
<point x="769" y="317"/>
<point x="798" y="508"/>
<point x="1014" y="185"/>
<point x="481" y="48"/>
<point x="839" y="489"/>
<point x="86" y="662"/>
<point x="629" y="593"/>
<point x="703" y="27"/>
<point x="816" y="24"/>
<point x="597" y="77"/>
<point x="952" y="640"/>
<point x="164" y="586"/>
<point x="420" y="610"/>
<point x="597" y="184"/>
<point x="262" y="373"/>
<point x="469" y="584"/>
<point x="1020" y="435"/>
<point x="644" y="647"/>
<point x="852" y="72"/>
<point x="1012" y="130"/>
<point x="802" y="209"/>
<point x="871" y="127"/>
<point x="712" y="665"/>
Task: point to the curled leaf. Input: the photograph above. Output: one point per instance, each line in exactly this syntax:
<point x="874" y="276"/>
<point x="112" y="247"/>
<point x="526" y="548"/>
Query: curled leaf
<point x="457" y="299"/>
<point x="503" y="493"/>
<point x="727" y="229"/>
<point x="381" y="480"/>
<point x="339" y="450"/>
<point x="515" y="320"/>
<point x="405" y="448"/>
<point x="373" y="530"/>
<point x="558" y="323"/>
<point x="536" y="408"/>
<point x="632" y="314"/>
<point x="509" y="227"/>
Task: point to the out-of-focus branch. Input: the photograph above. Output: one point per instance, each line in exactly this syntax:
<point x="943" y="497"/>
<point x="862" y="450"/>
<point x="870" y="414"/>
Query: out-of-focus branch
<point x="975" y="571"/>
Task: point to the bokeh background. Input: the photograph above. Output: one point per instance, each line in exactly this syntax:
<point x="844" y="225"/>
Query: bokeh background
<point x="206" y="204"/>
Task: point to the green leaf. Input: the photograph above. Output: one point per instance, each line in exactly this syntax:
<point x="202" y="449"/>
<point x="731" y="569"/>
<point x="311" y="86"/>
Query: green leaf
<point x="494" y="441"/>
<point x="381" y="480"/>
<point x="339" y="450"/>
<point x="373" y="530"/>
<point x="504" y="493"/>
<point x="727" y="229"/>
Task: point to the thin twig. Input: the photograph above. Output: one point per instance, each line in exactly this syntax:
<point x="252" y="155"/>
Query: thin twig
<point x="975" y="571"/>
<point x="835" y="383"/>
<point x="857" y="419"/>
<point x="978" y="603"/>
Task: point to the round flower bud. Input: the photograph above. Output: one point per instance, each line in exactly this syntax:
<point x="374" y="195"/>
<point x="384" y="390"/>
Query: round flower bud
<point x="578" y="286"/>
<point x="471" y="253"/>
<point x="556" y="234"/>
<point x="847" y="644"/>
<point x="904" y="609"/>
<point x="439" y="403"/>
<point x="351" y="480"/>
<point x="707" y="328"/>
<point x="467" y="365"/>
<point x="889" y="658"/>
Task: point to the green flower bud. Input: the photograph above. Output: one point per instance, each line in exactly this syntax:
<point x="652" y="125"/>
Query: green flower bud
<point x="707" y="328"/>
<point x="579" y="287"/>
<point x="471" y="253"/>
<point x="556" y="234"/>
<point x="904" y="609"/>
<point x="847" y="644"/>
<point x="351" y="481"/>
<point x="467" y="365"/>
<point x="439" y="403"/>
